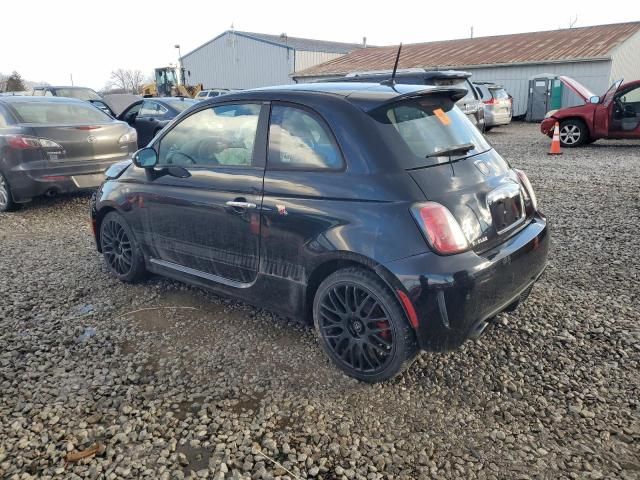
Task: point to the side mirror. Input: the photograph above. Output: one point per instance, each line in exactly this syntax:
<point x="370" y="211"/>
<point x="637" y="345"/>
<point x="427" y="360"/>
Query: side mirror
<point x="594" y="99"/>
<point x="145" y="158"/>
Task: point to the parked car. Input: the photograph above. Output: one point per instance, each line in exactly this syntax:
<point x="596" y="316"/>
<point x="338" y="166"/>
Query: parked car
<point x="616" y="114"/>
<point x="378" y="212"/>
<point x="81" y="93"/>
<point x="470" y="103"/>
<point x="213" y="92"/>
<point x="54" y="145"/>
<point x="497" y="104"/>
<point x="150" y="115"/>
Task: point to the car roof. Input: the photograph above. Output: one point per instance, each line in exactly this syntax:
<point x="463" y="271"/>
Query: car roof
<point x="365" y="95"/>
<point x="166" y="100"/>
<point x="28" y="98"/>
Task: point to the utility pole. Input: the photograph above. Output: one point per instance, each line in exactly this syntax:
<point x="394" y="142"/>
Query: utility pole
<point x="471" y="31"/>
<point x="181" y="66"/>
<point x="71" y="75"/>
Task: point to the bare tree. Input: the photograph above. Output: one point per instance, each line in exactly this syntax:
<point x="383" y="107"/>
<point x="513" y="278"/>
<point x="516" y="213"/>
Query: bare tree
<point x="129" y="81"/>
<point x="3" y="82"/>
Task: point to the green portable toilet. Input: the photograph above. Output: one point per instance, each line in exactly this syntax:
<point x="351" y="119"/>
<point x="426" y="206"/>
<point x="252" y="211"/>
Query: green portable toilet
<point x="556" y="95"/>
<point x="545" y="91"/>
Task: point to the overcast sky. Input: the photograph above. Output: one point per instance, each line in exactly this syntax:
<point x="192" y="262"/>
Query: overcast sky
<point x="49" y="40"/>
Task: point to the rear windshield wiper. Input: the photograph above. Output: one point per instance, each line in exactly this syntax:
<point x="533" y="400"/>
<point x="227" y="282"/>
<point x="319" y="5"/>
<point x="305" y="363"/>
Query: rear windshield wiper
<point x="447" y="152"/>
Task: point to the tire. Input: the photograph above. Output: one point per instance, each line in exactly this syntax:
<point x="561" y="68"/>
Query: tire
<point x="573" y="133"/>
<point x="362" y="327"/>
<point x="120" y="249"/>
<point x="487" y="129"/>
<point x="6" y="200"/>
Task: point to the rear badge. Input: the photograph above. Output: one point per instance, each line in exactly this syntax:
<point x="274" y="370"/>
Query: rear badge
<point x="483" y="167"/>
<point x="282" y="209"/>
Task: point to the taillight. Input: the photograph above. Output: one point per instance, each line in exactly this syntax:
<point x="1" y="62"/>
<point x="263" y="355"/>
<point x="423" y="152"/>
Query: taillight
<point x="23" y="142"/>
<point x="440" y="228"/>
<point x="493" y="101"/>
<point x="524" y="180"/>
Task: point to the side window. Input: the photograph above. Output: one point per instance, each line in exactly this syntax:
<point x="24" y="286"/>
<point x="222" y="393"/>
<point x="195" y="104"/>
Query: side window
<point x="48" y="93"/>
<point x="219" y="136"/>
<point x="632" y="96"/>
<point x="299" y="140"/>
<point x="38" y="93"/>
<point x="132" y="112"/>
<point x="4" y="118"/>
<point x="151" y="109"/>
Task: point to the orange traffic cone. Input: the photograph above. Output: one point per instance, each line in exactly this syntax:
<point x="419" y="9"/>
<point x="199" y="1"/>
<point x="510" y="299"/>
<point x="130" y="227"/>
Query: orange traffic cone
<point x="555" y="143"/>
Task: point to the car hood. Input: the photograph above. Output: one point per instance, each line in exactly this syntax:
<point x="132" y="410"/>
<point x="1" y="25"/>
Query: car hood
<point x="583" y="92"/>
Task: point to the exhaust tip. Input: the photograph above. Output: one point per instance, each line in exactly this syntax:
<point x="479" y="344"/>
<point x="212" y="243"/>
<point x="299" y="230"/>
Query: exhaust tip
<point x="52" y="192"/>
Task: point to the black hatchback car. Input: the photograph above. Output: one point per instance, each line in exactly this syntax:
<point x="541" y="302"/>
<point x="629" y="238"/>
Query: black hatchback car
<point x="377" y="212"/>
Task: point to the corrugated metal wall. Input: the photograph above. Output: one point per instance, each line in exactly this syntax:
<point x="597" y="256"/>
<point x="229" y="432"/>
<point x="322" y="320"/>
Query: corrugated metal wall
<point x="626" y="60"/>
<point x="234" y="61"/>
<point x="306" y="59"/>
<point x="594" y="75"/>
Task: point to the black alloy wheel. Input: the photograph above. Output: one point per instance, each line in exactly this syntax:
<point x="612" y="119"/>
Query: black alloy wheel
<point x="119" y="248"/>
<point x="361" y="326"/>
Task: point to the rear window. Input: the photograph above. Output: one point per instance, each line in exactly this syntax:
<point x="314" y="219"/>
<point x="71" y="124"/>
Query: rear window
<point x="79" y="93"/>
<point x="422" y="126"/>
<point x="50" y="113"/>
<point x="499" y="93"/>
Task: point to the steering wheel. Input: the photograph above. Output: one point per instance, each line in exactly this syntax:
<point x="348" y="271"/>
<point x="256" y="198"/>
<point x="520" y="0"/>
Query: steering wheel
<point x="178" y="152"/>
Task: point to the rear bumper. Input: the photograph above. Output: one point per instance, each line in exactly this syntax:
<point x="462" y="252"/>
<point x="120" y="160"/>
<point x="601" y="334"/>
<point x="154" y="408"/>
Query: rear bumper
<point x="494" y="119"/>
<point x="39" y="178"/>
<point x="453" y="295"/>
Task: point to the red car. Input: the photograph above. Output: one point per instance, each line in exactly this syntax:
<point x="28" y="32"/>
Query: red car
<point x="614" y="115"/>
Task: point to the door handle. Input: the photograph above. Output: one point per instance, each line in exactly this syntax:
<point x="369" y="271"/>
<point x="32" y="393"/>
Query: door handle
<point x="238" y="204"/>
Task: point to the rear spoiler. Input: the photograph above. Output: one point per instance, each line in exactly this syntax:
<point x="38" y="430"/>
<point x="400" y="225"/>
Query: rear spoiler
<point x="454" y="93"/>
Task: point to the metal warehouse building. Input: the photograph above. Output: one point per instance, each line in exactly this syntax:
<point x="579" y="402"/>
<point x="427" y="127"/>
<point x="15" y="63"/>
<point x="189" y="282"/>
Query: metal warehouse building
<point x="246" y="60"/>
<point x="595" y="56"/>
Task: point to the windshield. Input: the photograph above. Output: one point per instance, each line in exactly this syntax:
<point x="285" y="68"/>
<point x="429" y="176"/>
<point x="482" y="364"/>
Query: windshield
<point x="426" y="125"/>
<point x="180" y="104"/>
<point x="56" y="113"/>
<point x="79" y="93"/>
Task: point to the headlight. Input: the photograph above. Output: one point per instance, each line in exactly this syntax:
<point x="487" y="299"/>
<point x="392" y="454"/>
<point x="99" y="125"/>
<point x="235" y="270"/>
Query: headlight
<point x="130" y="137"/>
<point x="550" y="113"/>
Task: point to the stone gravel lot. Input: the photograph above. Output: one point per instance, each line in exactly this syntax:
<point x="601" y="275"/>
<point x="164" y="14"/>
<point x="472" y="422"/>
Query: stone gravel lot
<point x="176" y="382"/>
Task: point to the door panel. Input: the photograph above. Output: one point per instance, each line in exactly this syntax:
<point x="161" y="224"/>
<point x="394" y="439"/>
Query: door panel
<point x="192" y="225"/>
<point x="147" y="121"/>
<point x="625" y="114"/>
<point x="605" y="110"/>
<point x="192" y="221"/>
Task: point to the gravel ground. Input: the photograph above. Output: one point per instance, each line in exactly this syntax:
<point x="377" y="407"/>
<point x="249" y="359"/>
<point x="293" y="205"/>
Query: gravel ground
<point x="176" y="382"/>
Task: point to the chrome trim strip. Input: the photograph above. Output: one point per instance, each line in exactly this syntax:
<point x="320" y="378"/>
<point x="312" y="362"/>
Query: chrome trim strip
<point x="198" y="273"/>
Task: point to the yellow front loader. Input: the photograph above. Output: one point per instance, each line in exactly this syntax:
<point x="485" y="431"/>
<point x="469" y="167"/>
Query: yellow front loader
<point x="167" y="85"/>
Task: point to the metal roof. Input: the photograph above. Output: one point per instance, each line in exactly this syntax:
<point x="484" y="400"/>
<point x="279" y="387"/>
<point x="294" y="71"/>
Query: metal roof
<point x="294" y="43"/>
<point x="584" y="43"/>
